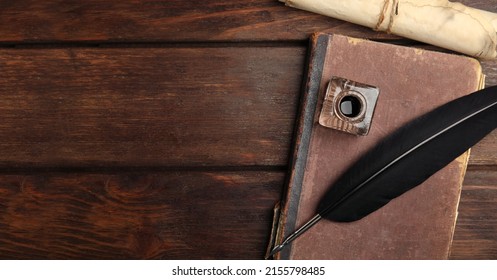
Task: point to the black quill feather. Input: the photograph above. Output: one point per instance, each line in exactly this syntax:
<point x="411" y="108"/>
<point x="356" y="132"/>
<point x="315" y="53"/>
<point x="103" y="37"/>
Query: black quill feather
<point x="406" y="158"/>
<point x="410" y="155"/>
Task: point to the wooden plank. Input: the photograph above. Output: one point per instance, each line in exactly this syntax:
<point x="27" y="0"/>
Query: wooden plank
<point x="477" y="176"/>
<point x="139" y="216"/>
<point x="165" y="20"/>
<point x="476" y="228"/>
<point x="170" y="20"/>
<point x="148" y="106"/>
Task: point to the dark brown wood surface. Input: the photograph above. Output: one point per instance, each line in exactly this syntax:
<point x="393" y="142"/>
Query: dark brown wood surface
<point x="148" y="106"/>
<point x="163" y="21"/>
<point x="173" y="215"/>
<point x="162" y="129"/>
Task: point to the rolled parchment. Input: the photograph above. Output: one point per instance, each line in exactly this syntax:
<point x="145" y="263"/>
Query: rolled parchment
<point x="441" y="23"/>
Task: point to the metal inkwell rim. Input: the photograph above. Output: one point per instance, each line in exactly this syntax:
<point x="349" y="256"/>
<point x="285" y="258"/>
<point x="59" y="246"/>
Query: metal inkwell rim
<point x="362" y="104"/>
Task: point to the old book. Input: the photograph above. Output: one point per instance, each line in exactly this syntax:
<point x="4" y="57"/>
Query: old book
<point x="420" y="223"/>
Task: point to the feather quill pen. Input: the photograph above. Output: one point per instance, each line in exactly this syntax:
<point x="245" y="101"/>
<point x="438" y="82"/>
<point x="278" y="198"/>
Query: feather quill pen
<point x="405" y="159"/>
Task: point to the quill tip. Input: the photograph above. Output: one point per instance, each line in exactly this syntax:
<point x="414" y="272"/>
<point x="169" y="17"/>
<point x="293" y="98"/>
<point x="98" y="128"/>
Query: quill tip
<point x="275" y="250"/>
<point x="294" y="235"/>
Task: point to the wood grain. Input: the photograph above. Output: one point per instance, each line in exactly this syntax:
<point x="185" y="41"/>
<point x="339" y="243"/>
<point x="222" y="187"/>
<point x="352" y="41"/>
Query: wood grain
<point x="170" y="20"/>
<point x="476" y="227"/>
<point x="148" y="106"/>
<point x="27" y="21"/>
<point x="481" y="176"/>
<point x="475" y="234"/>
<point x="199" y="215"/>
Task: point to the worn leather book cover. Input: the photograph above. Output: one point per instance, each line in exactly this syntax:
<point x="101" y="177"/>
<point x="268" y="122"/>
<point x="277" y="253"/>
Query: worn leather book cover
<point x="420" y="223"/>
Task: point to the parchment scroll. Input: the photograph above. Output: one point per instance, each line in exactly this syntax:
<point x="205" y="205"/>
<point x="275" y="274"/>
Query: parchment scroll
<point x="441" y="23"/>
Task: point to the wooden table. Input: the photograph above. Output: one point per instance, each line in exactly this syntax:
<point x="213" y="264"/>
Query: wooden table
<point x="162" y="129"/>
